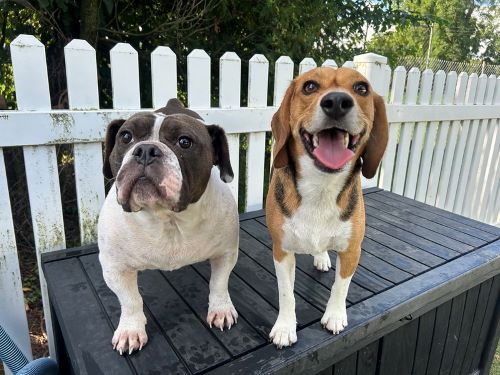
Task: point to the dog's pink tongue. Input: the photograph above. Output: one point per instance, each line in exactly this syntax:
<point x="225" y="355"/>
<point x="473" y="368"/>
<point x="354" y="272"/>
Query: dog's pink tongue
<point x="331" y="151"/>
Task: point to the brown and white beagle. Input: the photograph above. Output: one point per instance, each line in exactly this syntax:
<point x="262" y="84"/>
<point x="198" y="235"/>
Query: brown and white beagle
<point x="330" y="127"/>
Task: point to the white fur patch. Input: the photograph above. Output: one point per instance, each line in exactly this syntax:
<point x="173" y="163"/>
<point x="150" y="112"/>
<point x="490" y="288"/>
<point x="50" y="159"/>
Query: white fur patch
<point x="315" y="226"/>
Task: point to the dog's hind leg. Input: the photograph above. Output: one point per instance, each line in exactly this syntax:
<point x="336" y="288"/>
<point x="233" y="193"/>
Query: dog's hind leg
<point x="130" y="333"/>
<point x="322" y="262"/>
<point x="221" y="312"/>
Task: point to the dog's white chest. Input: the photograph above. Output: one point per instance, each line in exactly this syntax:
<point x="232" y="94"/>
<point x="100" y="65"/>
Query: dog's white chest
<point x="316" y="225"/>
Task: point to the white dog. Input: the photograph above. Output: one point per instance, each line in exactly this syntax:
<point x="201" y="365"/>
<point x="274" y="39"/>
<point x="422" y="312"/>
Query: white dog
<point x="168" y="208"/>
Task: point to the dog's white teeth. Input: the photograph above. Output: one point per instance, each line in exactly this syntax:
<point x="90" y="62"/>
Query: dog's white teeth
<point x="315" y="140"/>
<point x="346" y="139"/>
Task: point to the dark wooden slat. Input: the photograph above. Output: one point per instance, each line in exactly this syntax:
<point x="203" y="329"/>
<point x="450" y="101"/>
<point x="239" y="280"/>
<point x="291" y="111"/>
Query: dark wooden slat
<point x="390" y="256"/>
<point x="198" y="347"/>
<point x="439" y="337"/>
<point x="424" y="341"/>
<point x="194" y="290"/>
<point x="409" y="214"/>
<point x="419" y="230"/>
<point x="482" y="302"/>
<point x="245" y="299"/>
<point x="371" y="190"/>
<point x="89" y="344"/>
<point x="402" y="247"/>
<point x="347" y="366"/>
<point x="264" y="281"/>
<point x="356" y="292"/>
<point x="493" y="337"/>
<point x="467" y="320"/>
<point x="252" y="215"/>
<point x="159" y="355"/>
<point x="461" y="219"/>
<point x="454" y="326"/>
<point x="493" y="301"/>
<point x="305" y="263"/>
<point x="406" y="235"/>
<point x="367" y="359"/>
<point x="398" y="350"/>
<point x="382" y="268"/>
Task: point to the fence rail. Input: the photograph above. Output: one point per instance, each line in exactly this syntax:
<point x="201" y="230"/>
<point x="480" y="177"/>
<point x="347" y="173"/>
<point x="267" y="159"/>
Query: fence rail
<point x="443" y="148"/>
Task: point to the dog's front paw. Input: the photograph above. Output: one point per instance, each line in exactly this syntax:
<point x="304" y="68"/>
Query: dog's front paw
<point x="335" y="319"/>
<point x="284" y="333"/>
<point x="222" y="315"/>
<point x="131" y="335"/>
<point x="322" y="262"/>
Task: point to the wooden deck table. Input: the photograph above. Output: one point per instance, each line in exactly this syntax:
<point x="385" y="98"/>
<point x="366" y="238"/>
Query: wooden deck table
<point x="425" y="299"/>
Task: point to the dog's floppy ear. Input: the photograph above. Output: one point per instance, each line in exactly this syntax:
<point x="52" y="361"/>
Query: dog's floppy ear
<point x="377" y="141"/>
<point x="109" y="143"/>
<point x="221" y="152"/>
<point x="280" y="126"/>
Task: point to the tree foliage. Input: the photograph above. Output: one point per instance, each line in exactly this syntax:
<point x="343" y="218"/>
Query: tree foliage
<point x="462" y="30"/>
<point x="316" y="28"/>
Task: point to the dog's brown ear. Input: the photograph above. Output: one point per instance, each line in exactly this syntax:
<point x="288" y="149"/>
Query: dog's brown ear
<point x="280" y="126"/>
<point x="377" y="141"/>
<point x="221" y="152"/>
<point x="109" y="143"/>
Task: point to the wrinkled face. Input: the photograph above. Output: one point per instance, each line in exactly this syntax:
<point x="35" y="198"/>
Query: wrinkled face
<point x="330" y="115"/>
<point x="160" y="160"/>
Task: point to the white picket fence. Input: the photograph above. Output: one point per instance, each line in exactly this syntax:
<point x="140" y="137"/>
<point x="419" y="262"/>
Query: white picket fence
<point x="443" y="148"/>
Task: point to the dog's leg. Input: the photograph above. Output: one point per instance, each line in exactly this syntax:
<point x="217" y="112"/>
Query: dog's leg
<point x="322" y="262"/>
<point x="335" y="317"/>
<point x="221" y="311"/>
<point x="284" y="332"/>
<point x="130" y="333"/>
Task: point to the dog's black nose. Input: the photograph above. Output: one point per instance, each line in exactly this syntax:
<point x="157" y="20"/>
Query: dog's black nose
<point x="336" y="104"/>
<point x="146" y="153"/>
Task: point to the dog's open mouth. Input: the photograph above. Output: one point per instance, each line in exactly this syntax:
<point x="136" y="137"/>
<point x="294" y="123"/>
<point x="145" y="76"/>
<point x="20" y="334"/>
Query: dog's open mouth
<point x="331" y="148"/>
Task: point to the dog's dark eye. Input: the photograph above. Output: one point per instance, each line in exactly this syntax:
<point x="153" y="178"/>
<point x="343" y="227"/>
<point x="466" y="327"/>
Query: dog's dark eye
<point x="361" y="88"/>
<point x="126" y="136"/>
<point x="310" y="87"/>
<point x="185" y="142"/>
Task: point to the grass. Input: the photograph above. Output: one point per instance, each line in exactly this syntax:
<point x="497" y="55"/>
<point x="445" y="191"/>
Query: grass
<point x="495" y="366"/>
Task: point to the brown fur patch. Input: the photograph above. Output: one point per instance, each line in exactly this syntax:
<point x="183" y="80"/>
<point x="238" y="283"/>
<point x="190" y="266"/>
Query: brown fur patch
<point x="350" y="257"/>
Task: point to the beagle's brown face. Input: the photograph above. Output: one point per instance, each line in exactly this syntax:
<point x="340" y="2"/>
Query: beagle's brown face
<point x="333" y="116"/>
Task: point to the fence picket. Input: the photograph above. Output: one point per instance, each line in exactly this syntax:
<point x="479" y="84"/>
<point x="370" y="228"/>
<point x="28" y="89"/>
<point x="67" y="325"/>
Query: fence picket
<point x="81" y="76"/>
<point x="480" y="157"/>
<point x="459" y="150"/>
<point x="12" y="311"/>
<point x="32" y="93"/>
<point x="163" y="76"/>
<point x="283" y="76"/>
<point x="330" y="63"/>
<point x="492" y="206"/>
<point x="229" y="97"/>
<point x="125" y="77"/>
<point x="388" y="161"/>
<point x="451" y="144"/>
<point x="306" y="65"/>
<point x="198" y="77"/>
<point x="405" y="136"/>
<point x="258" y="73"/>
<point x="465" y="170"/>
<point x="414" y="171"/>
<point x="430" y="139"/>
<point x="349" y="64"/>
<point x="441" y="137"/>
